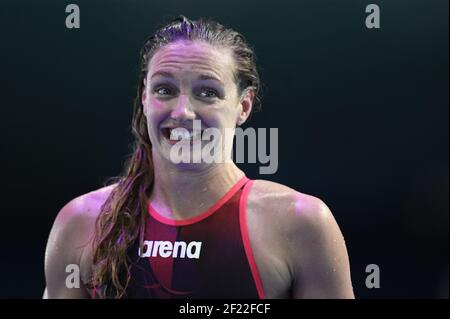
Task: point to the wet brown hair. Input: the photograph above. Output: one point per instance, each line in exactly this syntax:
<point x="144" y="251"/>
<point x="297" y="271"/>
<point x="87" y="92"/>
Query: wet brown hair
<point x="122" y="218"/>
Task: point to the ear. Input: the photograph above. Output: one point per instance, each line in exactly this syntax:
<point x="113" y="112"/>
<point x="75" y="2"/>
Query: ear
<point x="246" y="105"/>
<point x="144" y="97"/>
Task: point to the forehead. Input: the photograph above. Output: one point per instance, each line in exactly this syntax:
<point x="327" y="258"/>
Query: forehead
<point x="195" y="57"/>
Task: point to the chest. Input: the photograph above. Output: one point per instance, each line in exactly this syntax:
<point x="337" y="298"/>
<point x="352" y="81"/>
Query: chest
<point x="205" y="259"/>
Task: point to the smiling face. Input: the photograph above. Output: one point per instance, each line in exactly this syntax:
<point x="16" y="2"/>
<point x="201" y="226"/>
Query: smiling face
<point x="189" y="81"/>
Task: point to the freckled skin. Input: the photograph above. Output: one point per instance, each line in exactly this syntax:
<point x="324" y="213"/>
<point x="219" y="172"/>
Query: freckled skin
<point x="297" y="245"/>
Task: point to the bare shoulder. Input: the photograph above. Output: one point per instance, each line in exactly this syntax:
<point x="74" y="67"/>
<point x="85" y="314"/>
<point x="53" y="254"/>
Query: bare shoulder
<point x="75" y="222"/>
<point x="307" y="233"/>
<point x="295" y="220"/>
<point x="70" y="240"/>
<point x="295" y="208"/>
<point x="83" y="210"/>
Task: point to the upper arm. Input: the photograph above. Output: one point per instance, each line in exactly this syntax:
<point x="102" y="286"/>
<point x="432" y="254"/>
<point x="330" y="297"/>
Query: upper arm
<point x="320" y="262"/>
<point x="64" y="262"/>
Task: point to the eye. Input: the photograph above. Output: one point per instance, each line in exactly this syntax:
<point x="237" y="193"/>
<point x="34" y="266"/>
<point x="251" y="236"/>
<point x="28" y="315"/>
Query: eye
<point x="208" y="93"/>
<point x="163" y="91"/>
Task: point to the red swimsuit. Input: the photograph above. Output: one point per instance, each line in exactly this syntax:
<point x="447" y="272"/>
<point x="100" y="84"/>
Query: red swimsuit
<point x="208" y="256"/>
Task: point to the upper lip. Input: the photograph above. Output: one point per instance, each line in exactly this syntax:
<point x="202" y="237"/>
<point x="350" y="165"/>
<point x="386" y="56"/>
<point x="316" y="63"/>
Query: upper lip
<point x="173" y="127"/>
<point x="178" y="126"/>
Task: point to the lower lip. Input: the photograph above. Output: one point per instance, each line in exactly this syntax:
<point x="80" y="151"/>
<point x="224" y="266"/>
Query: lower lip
<point x="173" y="142"/>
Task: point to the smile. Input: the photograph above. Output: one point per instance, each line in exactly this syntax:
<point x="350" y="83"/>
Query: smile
<point x="174" y="135"/>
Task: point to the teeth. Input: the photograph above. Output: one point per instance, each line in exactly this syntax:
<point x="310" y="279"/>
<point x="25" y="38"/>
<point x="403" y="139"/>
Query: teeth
<point x="180" y="133"/>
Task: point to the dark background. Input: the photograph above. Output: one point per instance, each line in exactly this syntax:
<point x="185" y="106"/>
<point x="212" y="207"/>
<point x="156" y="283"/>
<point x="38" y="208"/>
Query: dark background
<point x="362" y="117"/>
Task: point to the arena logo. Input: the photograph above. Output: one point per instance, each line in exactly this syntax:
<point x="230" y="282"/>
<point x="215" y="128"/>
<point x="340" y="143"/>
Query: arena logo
<point x="166" y="249"/>
<point x="189" y="146"/>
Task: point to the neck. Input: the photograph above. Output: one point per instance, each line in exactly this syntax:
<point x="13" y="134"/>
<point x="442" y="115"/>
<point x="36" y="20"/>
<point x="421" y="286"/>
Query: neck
<point x="180" y="193"/>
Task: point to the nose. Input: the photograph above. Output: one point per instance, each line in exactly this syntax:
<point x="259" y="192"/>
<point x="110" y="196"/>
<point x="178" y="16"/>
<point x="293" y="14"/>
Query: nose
<point x="183" y="110"/>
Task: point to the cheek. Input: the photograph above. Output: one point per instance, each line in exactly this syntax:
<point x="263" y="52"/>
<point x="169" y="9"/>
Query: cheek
<point x="155" y="105"/>
<point x="224" y="118"/>
<point x="155" y="111"/>
<point x="219" y="115"/>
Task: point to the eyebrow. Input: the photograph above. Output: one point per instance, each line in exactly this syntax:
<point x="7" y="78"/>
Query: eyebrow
<point x="200" y="77"/>
<point x="208" y="77"/>
<point x="162" y="73"/>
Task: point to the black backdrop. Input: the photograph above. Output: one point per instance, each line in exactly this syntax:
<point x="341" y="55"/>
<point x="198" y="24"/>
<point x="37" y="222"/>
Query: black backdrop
<point x="362" y="117"/>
